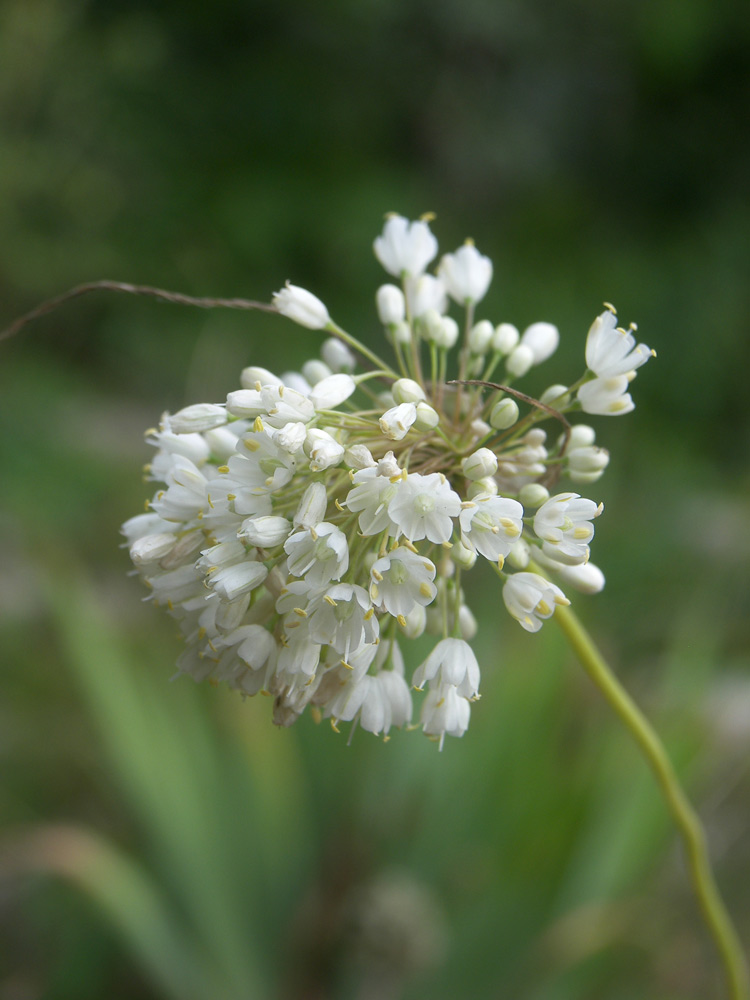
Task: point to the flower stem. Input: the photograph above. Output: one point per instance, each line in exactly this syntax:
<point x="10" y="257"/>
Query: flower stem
<point x="691" y="831"/>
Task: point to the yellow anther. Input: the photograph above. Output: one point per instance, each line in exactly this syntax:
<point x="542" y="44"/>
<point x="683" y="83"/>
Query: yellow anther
<point x="466" y="504"/>
<point x="425" y="590"/>
<point x="500" y="562"/>
<point x="338" y="506"/>
<point x="401" y="620"/>
<point x="313" y="534"/>
<point x="347" y="665"/>
<point x="368" y="614"/>
<point x="316" y="714"/>
<point x="611" y="308"/>
<point x="210" y="501"/>
<point x="258" y="425"/>
<point x="426" y="217"/>
<point x="251" y="444"/>
<point x="447" y="545"/>
<point x="334" y="727"/>
<point x="329" y="600"/>
<point x="170" y="605"/>
<point x="301" y="612"/>
<point x="581" y="532"/>
<point x="543" y="608"/>
<point x="223" y="469"/>
<point x="377" y="575"/>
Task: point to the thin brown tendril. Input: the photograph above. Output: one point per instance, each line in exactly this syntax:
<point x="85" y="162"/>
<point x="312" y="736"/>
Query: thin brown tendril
<point x="120" y="286"/>
<point x="532" y="402"/>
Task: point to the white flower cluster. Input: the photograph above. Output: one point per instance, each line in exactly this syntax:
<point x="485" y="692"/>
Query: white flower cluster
<point x="316" y="520"/>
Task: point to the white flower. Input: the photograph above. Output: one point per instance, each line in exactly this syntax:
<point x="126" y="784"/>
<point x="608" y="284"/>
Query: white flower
<point x="530" y="598"/>
<point x="265" y="531"/>
<point x="401" y="579"/>
<point x="452" y="661"/>
<point x="479" y="464"/>
<point x="200" y="417"/>
<point x="301" y="306"/>
<point x="406" y="390"/>
<point x="323" y="450"/>
<point x="423" y="507"/>
<point x="606" y="396"/>
<point x="319" y="554"/>
<point x="331" y="391"/>
<point x="424" y="294"/>
<point x="371" y="495"/>
<point x="230" y="582"/>
<point x="445" y="711"/>
<point x="564" y="524"/>
<point x="543" y="339"/>
<point x="395" y="423"/>
<point x="466" y="274"/>
<point x="520" y="360"/>
<point x="405" y="247"/>
<point x="290" y="437"/>
<point x="391" y="304"/>
<point x="186" y="493"/>
<point x="282" y="405"/>
<point x="344" y="618"/>
<point x="611" y="351"/>
<point x="312" y="507"/>
<point x="337" y="355"/>
<point x="491" y="525"/>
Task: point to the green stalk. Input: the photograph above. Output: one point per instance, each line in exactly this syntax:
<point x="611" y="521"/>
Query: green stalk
<point x="712" y="907"/>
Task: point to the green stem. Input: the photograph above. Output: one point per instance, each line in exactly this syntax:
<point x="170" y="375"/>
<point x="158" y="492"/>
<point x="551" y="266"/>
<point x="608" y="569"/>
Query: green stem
<point x="693" y="837"/>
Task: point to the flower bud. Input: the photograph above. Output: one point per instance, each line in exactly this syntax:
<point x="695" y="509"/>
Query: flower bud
<point x="482" y="487"/>
<point x="250" y="376"/>
<point x="504" y="414"/>
<point x="390" y="303"/>
<point x="479" y="465"/>
<point x="519" y="555"/>
<point x="312" y="507"/>
<point x="301" y="306"/>
<point x="197" y="418"/>
<point x="505" y="338"/>
<point x="291" y="436"/>
<point x="331" y="391"/>
<point x="556" y="396"/>
<point x="314" y="371"/>
<point x="588" y="459"/>
<point x="533" y="495"/>
<point x="401" y="333"/>
<point x="448" y="333"/>
<point x="586" y="578"/>
<point x="322" y="449"/>
<point x="406" y="390"/>
<point x="480" y="337"/>
<point x="150" y="548"/>
<point x="467" y="623"/>
<point x="266" y="531"/>
<point x="462" y="556"/>
<point x="395" y="423"/>
<point x="520" y="360"/>
<point x="415" y="622"/>
<point x="359" y="456"/>
<point x="427" y="417"/>
<point x="222" y="441"/>
<point x="245" y="403"/>
<point x="543" y="339"/>
<point x="581" y="435"/>
<point x="337" y="355"/>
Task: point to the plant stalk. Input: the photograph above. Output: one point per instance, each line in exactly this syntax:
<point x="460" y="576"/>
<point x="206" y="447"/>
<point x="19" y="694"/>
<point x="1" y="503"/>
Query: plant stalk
<point x="712" y="907"/>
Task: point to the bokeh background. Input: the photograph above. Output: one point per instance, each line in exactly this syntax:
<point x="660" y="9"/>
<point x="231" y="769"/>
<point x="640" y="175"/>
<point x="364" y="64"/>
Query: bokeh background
<point x="164" y="840"/>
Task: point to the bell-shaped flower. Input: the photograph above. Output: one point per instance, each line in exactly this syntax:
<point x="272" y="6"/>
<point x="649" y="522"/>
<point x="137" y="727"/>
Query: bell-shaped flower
<point x="320" y="554"/>
<point x="405" y="247"/>
<point x="490" y="525"/>
<point x="612" y="351"/>
<point x="564" y="524"/>
<point x="466" y="274"/>
<point x="301" y="306"/>
<point x="530" y="598"/>
<point x="401" y="579"/>
<point x="453" y="662"/>
<point x="424" y="507"/>
<point x="608" y="397"/>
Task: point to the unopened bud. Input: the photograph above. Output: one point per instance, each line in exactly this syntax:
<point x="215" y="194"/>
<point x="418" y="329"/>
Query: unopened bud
<point x="543" y="339"/>
<point x="480" y="337"/>
<point x="556" y="395"/>
<point x="463" y="556"/>
<point x="533" y="495"/>
<point x="390" y="303"/>
<point x="504" y="414"/>
<point x="312" y="508"/>
<point x="315" y="370"/>
<point x="332" y="390"/>
<point x="520" y="360"/>
<point x="519" y="555"/>
<point x="482" y="463"/>
<point x="482" y="487"/>
<point x="359" y="456"/>
<point x="415" y="622"/>
<point x="505" y="338"/>
<point x="265" y="531"/>
<point x="253" y="374"/>
<point x="197" y="418"/>
<point x="427" y="417"/>
<point x="337" y="355"/>
<point x="406" y="390"/>
<point x="301" y="306"/>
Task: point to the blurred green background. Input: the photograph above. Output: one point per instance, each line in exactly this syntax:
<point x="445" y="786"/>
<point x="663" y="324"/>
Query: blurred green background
<point x="165" y="841"/>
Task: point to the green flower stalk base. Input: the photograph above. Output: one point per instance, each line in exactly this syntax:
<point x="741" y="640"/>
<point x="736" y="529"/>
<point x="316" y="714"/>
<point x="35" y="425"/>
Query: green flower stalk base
<point x="711" y="905"/>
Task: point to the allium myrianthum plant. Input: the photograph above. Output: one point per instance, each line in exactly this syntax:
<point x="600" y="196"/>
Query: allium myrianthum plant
<point x="316" y="521"/>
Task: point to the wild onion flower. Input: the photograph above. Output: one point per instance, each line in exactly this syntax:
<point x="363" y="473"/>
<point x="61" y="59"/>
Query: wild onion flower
<point x="310" y="526"/>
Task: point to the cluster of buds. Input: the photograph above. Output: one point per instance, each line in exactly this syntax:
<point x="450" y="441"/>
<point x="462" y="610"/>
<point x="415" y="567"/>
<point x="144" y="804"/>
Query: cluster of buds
<point x="315" y="522"/>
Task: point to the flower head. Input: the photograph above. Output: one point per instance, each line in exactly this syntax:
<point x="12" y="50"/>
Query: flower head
<point x="306" y="531"/>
